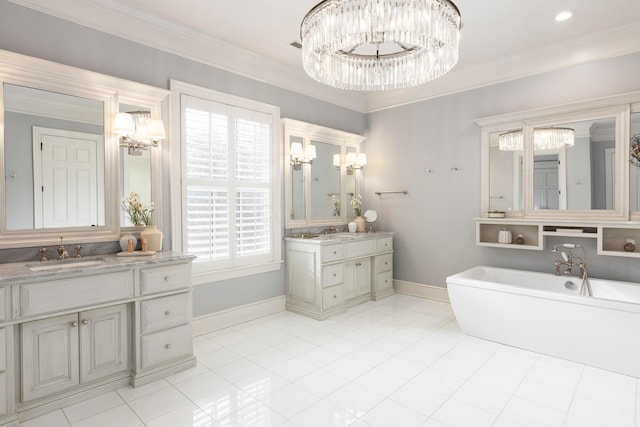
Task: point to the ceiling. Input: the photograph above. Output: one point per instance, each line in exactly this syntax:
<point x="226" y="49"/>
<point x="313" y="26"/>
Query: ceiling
<point x="501" y="39"/>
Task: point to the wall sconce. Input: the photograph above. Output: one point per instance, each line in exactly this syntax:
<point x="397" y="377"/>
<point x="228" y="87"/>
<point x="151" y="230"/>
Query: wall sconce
<point x="138" y="131"/>
<point x="355" y="161"/>
<point x="298" y="157"/>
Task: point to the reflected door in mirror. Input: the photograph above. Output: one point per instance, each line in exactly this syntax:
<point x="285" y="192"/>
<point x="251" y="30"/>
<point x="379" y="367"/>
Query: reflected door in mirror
<point x="31" y="192"/>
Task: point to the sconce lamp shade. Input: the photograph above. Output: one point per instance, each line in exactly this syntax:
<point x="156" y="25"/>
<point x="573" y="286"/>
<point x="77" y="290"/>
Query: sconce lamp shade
<point x="296" y="149"/>
<point x="351" y="158"/>
<point x="336" y="160"/>
<point x="155" y="130"/>
<point x="310" y="152"/>
<point x="362" y="159"/>
<point x="123" y="124"/>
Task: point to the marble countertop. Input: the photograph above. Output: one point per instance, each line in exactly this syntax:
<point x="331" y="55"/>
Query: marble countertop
<point x="337" y="237"/>
<point x="34" y="270"/>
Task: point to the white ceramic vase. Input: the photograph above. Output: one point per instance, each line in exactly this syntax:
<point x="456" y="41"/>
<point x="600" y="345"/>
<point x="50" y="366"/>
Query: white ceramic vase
<point x="353" y="227"/>
<point x="153" y="237"/>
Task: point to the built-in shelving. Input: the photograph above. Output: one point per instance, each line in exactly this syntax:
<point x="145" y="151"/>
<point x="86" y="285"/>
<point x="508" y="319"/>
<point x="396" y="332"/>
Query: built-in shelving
<point x="611" y="236"/>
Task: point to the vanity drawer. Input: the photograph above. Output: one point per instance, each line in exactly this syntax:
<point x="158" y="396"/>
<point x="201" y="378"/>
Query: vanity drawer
<point x="166" y="312"/>
<point x="384" y="263"/>
<point x="385" y="281"/>
<point x="384" y="244"/>
<point x="162" y="279"/>
<point x="332" y="275"/>
<point x="333" y="297"/>
<point x="361" y="248"/>
<point x="163" y="346"/>
<point x="65" y="294"/>
<point x="3" y="395"/>
<point x="332" y="253"/>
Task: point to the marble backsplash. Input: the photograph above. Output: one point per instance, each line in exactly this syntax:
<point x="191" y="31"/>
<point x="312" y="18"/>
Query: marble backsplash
<point x="31" y="254"/>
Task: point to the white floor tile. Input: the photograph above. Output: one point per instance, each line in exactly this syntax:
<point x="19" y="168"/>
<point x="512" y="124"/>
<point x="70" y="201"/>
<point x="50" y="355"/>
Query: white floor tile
<point x="496" y="379"/>
<point x="256" y="415"/>
<point x="52" y="419"/>
<point x="248" y="347"/>
<point x="226" y="337"/>
<point x="185" y="416"/>
<point x="322" y="383"/>
<point x="293" y="369"/>
<point x="482" y="397"/>
<point x="269" y="358"/>
<point x="225" y="402"/>
<point x="549" y="396"/>
<point x="347" y="368"/>
<point x="319" y="357"/>
<point x="261" y="384"/>
<point x="290" y="400"/>
<point x="354" y="400"/>
<point x="601" y="413"/>
<point x="196" y="387"/>
<point x="391" y="413"/>
<point x="382" y="382"/>
<point x="321" y="414"/>
<point x="455" y="413"/>
<point x="202" y="346"/>
<point x="186" y="374"/>
<point x="532" y="414"/>
<point x="121" y="416"/>
<point x="238" y="370"/>
<point x="93" y="406"/>
<point x="158" y="403"/>
<point x="420" y="399"/>
<point x="401" y="367"/>
<point x="438" y="381"/>
<point x="218" y="358"/>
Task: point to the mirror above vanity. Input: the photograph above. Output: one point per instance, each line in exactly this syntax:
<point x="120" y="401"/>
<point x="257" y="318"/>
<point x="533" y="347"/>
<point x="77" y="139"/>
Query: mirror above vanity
<point x="65" y="173"/>
<point x="322" y="174"/>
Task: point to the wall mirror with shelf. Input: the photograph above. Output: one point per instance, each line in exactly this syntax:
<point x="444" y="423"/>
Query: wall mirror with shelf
<point x="59" y="155"/>
<point x="566" y="162"/>
<point x="318" y="192"/>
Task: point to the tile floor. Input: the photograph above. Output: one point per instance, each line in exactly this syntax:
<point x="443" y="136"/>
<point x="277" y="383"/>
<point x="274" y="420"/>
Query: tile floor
<point x="398" y="362"/>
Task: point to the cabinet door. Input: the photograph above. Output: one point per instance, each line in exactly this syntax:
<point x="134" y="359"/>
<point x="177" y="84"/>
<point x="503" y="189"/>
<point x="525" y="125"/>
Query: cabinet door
<point x="49" y="356"/>
<point x="3" y="373"/>
<point x="104" y="342"/>
<point x="357" y="278"/>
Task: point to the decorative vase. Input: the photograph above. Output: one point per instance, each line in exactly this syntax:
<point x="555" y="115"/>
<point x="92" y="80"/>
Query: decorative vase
<point x="361" y="224"/>
<point x="153" y="237"/>
<point x="504" y="236"/>
<point x="353" y="227"/>
<point x="124" y="242"/>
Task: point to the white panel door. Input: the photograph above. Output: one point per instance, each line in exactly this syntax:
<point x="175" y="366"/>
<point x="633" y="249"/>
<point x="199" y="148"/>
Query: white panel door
<point x="68" y="190"/>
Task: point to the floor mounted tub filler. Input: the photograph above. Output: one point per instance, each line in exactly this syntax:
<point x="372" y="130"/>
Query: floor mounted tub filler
<point x="545" y="313"/>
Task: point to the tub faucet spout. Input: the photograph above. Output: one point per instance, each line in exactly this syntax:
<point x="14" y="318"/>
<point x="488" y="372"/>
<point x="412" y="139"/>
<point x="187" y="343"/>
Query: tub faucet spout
<point x="569" y="260"/>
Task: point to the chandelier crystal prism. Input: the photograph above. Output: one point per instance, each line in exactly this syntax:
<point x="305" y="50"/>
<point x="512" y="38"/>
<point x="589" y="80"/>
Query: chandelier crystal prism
<point x="374" y="45"/>
<point x="543" y="139"/>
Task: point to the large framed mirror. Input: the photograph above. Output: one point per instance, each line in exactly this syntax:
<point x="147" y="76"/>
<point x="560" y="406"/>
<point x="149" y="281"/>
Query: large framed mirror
<point x="58" y="153"/>
<point x="319" y="187"/>
<point x="566" y="162"/>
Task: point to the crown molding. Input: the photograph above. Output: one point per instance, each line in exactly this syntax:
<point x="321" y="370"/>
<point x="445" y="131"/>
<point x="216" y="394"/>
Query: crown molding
<point x="129" y="23"/>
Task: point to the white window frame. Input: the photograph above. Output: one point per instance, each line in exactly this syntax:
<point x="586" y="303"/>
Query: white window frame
<point x="178" y="193"/>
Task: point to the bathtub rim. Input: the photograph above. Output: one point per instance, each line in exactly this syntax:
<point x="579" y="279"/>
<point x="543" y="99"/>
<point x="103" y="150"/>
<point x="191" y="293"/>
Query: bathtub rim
<point x="459" y="279"/>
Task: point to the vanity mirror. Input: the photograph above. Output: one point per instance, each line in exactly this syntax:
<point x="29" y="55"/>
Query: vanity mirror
<point x="564" y="162"/>
<point x="319" y="191"/>
<point x="58" y="153"/>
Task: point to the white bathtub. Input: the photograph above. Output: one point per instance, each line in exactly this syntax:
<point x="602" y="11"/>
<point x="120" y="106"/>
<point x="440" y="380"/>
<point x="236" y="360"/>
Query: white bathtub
<point x="535" y="311"/>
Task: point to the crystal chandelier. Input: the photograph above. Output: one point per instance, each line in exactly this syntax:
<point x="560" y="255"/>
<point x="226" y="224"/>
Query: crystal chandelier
<point x="543" y="139"/>
<point x="371" y="45"/>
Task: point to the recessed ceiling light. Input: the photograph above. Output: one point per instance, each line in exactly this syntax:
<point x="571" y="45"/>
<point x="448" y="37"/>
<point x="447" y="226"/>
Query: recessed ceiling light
<point x="563" y="16"/>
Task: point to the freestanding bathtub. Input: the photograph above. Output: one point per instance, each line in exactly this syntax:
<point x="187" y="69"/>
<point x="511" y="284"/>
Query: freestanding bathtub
<point x="545" y="313"/>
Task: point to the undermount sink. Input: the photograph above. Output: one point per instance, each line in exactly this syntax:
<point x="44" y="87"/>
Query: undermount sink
<point x="65" y="264"/>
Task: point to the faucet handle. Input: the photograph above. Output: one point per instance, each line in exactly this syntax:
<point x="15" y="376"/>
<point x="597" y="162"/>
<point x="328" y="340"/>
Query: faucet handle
<point x="78" y="248"/>
<point x="44" y="251"/>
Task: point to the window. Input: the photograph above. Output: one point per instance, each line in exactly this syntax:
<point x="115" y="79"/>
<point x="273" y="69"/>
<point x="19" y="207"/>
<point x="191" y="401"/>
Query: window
<point x="229" y="183"/>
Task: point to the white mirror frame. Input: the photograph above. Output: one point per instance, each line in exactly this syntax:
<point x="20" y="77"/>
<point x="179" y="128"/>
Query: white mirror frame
<point x="311" y="132"/>
<point x="40" y="74"/>
<point x="619" y="106"/>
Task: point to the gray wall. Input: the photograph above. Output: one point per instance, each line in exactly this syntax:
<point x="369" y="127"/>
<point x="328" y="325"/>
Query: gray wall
<point x="434" y="229"/>
<point x="31" y="33"/>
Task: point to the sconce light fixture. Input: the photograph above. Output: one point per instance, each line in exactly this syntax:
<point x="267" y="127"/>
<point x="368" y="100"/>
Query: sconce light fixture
<point x="138" y="131"/>
<point x="354" y="161"/>
<point x="298" y="157"/>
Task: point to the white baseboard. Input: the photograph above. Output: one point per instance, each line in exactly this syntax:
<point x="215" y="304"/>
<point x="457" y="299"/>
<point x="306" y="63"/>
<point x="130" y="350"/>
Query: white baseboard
<point x="236" y="315"/>
<point x="423" y="291"/>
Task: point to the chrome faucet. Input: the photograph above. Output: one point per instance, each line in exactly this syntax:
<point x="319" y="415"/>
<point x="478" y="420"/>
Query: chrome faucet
<point x="62" y="251"/>
<point x="569" y="260"/>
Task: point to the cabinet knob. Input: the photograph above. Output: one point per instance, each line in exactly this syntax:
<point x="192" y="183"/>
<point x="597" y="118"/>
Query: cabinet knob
<point x="167" y="346"/>
<point x="74" y="324"/>
<point x="335" y="252"/>
<point x="334" y="274"/>
<point x="167" y="278"/>
<point x="85" y="321"/>
<point x="335" y="296"/>
<point x="166" y="313"/>
<point x="386" y="263"/>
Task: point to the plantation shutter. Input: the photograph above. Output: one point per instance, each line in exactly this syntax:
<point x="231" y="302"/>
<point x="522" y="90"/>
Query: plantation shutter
<point x="227" y="216"/>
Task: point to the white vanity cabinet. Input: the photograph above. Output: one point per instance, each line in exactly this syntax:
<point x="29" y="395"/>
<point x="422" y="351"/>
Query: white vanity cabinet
<point x="67" y="335"/>
<point x="327" y="274"/>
